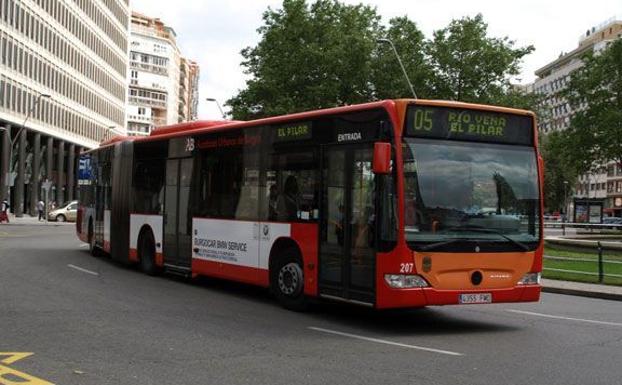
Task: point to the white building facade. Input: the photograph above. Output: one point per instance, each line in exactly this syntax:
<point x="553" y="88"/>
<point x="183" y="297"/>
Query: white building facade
<point x="63" y="74"/>
<point x="154" y="60"/>
<point x="552" y="79"/>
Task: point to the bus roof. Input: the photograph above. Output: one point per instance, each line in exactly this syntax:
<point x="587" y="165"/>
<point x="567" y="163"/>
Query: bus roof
<point x="200" y="126"/>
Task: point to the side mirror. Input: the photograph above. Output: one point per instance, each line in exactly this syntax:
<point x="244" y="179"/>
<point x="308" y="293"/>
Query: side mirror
<point x="382" y="158"/>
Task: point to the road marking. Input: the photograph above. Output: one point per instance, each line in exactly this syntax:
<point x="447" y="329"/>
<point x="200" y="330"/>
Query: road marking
<point x="370" y="339"/>
<point x="565" y="318"/>
<point x="83" y="270"/>
<point x="83" y="245"/>
<point x="13" y="357"/>
<point x="8" y="376"/>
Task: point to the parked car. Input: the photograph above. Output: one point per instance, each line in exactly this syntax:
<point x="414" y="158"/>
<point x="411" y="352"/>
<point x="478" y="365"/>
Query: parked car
<point x="66" y="212"/>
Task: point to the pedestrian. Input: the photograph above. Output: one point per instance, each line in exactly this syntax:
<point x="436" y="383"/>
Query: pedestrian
<point x="41" y="209"/>
<point x="4" y="211"/>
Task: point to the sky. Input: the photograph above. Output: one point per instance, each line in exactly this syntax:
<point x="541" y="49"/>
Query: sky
<point x="213" y="32"/>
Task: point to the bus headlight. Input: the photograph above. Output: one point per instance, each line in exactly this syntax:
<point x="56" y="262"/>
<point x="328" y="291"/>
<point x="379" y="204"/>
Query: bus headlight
<point x="530" y="279"/>
<point x="402" y="281"/>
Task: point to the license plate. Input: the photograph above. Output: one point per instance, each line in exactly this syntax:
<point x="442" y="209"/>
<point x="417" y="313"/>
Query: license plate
<point x="475" y="298"/>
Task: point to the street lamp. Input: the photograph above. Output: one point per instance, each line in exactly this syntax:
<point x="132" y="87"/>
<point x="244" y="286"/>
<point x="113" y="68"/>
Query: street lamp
<point x="218" y="104"/>
<point x="10" y="176"/>
<point x="399" y="60"/>
<point x="109" y="128"/>
<point x="565" y="201"/>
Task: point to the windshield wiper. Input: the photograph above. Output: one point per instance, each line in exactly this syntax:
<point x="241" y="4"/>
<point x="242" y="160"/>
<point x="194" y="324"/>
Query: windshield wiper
<point x="442" y="243"/>
<point x="480" y="229"/>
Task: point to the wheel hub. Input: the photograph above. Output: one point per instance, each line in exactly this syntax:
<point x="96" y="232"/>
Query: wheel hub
<point x="290" y="279"/>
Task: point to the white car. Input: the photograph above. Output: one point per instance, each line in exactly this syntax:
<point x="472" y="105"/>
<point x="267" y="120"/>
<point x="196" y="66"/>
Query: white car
<point x="68" y="211"/>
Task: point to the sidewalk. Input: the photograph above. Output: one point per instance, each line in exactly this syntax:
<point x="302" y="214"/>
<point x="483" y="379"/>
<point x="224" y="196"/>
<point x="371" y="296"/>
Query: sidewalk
<point x="582" y="289"/>
<point x="27" y="220"/>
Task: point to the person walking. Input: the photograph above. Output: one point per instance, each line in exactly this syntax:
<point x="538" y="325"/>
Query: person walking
<point x="4" y="211"/>
<point x="41" y="210"/>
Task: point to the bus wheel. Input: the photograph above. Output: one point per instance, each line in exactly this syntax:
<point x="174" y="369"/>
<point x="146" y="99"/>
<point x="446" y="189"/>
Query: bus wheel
<point x="287" y="281"/>
<point x="147" y="254"/>
<point x="91" y="237"/>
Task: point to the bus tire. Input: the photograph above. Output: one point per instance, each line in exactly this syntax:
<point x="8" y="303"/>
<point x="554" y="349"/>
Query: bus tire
<point x="287" y="280"/>
<point x="146" y="253"/>
<point x="91" y="239"/>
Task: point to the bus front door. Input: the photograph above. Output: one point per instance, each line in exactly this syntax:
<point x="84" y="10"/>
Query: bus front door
<point x="347" y="244"/>
<point x="177" y="224"/>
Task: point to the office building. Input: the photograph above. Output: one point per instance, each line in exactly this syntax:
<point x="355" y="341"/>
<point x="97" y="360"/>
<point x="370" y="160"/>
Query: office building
<point x="63" y="74"/>
<point x="606" y="182"/>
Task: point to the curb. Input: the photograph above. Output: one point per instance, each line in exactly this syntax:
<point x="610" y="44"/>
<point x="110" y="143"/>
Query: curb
<point x="582" y="293"/>
<point x="26" y="223"/>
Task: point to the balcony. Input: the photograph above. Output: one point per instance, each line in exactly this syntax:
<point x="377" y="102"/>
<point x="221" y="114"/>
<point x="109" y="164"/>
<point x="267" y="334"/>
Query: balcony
<point x="152" y="121"/>
<point x="153" y="32"/>
<point x="158" y="70"/>
<point x="148" y="102"/>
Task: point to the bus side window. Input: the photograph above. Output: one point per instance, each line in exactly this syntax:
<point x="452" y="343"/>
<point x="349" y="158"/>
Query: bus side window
<point x="229" y="185"/>
<point x="290" y="189"/>
<point x="148" y="186"/>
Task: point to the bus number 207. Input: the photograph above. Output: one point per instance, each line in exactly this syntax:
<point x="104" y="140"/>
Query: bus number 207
<point x="406" y="267"/>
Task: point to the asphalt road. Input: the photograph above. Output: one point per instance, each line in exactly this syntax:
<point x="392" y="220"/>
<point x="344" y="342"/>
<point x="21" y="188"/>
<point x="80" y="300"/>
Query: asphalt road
<point x="90" y="321"/>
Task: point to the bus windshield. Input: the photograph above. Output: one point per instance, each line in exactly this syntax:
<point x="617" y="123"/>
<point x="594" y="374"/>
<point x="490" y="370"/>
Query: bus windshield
<point x="463" y="195"/>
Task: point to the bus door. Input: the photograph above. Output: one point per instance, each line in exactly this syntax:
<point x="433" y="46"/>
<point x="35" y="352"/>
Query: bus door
<point x="177" y="223"/>
<point x="347" y="244"/>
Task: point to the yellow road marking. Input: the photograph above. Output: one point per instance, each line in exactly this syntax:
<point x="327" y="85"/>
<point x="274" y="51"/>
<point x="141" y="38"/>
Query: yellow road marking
<point x="9" y="376"/>
<point x="14" y="357"/>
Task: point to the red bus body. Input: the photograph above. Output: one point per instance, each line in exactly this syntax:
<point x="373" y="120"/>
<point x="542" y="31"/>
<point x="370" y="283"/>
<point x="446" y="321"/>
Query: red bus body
<point x="117" y="216"/>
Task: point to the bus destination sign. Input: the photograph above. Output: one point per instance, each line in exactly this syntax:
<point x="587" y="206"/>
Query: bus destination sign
<point x="291" y="132"/>
<point x="471" y="125"/>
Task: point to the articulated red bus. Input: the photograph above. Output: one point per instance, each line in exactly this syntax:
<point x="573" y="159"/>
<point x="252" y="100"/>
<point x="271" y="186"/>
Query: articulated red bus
<point x="397" y="203"/>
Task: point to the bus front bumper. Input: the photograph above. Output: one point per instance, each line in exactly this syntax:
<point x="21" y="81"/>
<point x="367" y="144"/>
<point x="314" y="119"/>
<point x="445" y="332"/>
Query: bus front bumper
<point x="428" y="296"/>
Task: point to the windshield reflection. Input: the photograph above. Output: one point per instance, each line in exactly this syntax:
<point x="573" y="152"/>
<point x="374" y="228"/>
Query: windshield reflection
<point x="470" y="191"/>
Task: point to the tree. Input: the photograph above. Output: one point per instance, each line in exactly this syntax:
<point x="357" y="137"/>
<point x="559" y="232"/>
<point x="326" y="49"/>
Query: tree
<point x="470" y="66"/>
<point x="309" y="57"/>
<point x="560" y="173"/>
<point x="594" y="93"/>
<point x="387" y="78"/>
<point x="326" y="54"/>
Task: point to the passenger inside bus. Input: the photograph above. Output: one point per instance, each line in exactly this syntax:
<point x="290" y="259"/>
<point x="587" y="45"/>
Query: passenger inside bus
<point x="288" y="203"/>
<point x="273" y="196"/>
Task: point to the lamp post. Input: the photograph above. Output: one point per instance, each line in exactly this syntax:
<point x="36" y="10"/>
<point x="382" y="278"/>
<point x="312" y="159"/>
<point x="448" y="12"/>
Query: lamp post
<point x="565" y="201"/>
<point x="10" y="177"/>
<point x="399" y="60"/>
<point x="109" y="128"/>
<point x="217" y="104"/>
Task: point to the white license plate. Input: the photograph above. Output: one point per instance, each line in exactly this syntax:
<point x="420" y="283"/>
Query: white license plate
<point x="475" y="298"/>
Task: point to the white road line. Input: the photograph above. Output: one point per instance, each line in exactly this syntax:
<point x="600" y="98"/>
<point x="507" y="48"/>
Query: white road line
<point x="565" y="318"/>
<point x="83" y="245"/>
<point x="385" y="341"/>
<point x="83" y="270"/>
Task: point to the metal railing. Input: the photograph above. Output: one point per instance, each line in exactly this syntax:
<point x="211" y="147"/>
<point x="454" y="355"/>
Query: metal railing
<point x="600" y="261"/>
<point x="147" y="101"/>
<point x="159" y="70"/>
<point x="590" y="226"/>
